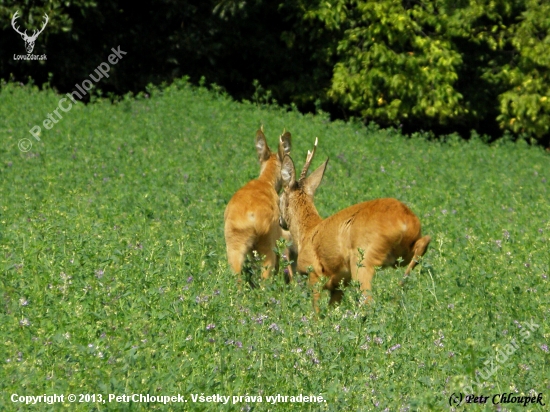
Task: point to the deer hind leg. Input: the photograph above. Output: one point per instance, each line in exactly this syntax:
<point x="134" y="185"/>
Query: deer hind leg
<point x="363" y="271"/>
<point x="237" y="249"/>
<point x="266" y="248"/>
<point x="419" y="248"/>
<point x="313" y="280"/>
<point x="364" y="276"/>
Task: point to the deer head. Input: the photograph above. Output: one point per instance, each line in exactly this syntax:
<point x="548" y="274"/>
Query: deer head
<point x="29" y="40"/>
<point x="298" y="191"/>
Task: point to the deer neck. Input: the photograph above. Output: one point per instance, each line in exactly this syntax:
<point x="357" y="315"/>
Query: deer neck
<point x="271" y="173"/>
<point x="306" y="218"/>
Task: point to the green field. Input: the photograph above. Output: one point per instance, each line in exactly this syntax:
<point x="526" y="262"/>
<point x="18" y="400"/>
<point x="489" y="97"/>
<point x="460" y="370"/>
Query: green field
<point x="115" y="281"/>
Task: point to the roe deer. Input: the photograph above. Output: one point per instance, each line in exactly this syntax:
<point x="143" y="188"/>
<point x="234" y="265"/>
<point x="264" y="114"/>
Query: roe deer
<point x="251" y="219"/>
<point x="351" y="243"/>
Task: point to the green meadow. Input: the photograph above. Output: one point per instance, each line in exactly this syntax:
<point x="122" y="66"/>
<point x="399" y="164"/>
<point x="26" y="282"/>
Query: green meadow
<point x="114" y="279"/>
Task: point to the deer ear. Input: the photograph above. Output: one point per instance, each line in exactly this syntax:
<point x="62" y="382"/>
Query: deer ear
<point x="288" y="174"/>
<point x="284" y="144"/>
<point x="261" y="147"/>
<point x="313" y="181"/>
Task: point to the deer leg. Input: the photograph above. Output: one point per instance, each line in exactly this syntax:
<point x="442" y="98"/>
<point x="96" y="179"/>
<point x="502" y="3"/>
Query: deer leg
<point x="237" y="249"/>
<point x="363" y="271"/>
<point x="271" y="261"/>
<point x="312" y="282"/>
<point x="419" y="248"/>
<point x="364" y="276"/>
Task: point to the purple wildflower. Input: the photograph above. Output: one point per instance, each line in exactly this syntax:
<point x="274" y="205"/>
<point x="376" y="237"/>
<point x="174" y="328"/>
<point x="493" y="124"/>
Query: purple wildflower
<point x="210" y="326"/>
<point x="393" y="348"/>
<point x="274" y="327"/>
<point x="200" y="299"/>
<point x="99" y="273"/>
<point x="544" y="347"/>
<point x="438" y="342"/>
<point x="190" y="279"/>
<point x="259" y="319"/>
<point x="239" y="344"/>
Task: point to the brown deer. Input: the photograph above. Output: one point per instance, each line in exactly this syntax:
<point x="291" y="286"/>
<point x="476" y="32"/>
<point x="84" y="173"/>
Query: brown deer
<point x="351" y="243"/>
<point x="252" y="215"/>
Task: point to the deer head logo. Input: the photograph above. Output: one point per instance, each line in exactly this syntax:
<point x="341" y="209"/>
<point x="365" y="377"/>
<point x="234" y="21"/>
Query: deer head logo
<point x="29" y="40"/>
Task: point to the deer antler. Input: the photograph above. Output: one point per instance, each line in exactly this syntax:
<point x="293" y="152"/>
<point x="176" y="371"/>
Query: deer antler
<point x="35" y="34"/>
<point x="309" y="158"/>
<point x="15" y="16"/>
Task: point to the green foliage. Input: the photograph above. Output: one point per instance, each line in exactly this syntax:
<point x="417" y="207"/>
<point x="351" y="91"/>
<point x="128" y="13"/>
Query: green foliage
<point x="390" y="69"/>
<point x="114" y="277"/>
<point x="442" y="62"/>
<point x="525" y="107"/>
